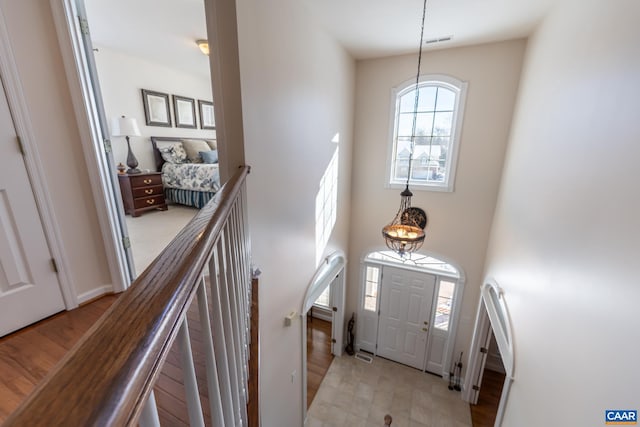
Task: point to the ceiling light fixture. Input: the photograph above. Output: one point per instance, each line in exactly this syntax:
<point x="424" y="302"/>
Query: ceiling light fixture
<point x="204" y="46"/>
<point x="405" y="233"/>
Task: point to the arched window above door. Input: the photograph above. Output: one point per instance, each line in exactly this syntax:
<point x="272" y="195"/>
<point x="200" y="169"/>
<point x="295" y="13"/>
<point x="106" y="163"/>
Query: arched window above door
<point x="415" y="261"/>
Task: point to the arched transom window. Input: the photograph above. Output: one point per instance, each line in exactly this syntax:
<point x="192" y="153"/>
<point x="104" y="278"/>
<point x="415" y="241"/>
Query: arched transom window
<point x="437" y="132"/>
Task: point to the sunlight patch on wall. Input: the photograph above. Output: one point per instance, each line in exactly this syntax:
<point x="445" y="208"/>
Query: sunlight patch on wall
<point x="326" y="201"/>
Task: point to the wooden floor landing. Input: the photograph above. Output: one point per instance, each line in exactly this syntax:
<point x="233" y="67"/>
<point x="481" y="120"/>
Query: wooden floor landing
<point x="28" y="355"/>
<point x="484" y="413"/>
<point x="319" y="355"/>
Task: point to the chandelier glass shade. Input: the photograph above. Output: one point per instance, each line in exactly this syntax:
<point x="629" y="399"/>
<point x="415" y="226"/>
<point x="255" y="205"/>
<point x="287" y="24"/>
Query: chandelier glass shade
<point x="405" y="233"/>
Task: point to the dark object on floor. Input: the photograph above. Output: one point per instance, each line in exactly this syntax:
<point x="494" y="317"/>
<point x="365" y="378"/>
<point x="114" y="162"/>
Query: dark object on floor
<point x="457" y="387"/>
<point x="452" y="377"/>
<point x="350" y="336"/>
<point x="387" y="420"/>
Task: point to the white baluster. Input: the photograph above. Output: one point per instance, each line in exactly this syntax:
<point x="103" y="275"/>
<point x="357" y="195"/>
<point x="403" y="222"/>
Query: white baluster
<point x="149" y="416"/>
<point x="215" y="400"/>
<point x="189" y="372"/>
<point x="219" y="341"/>
<point x="225" y="284"/>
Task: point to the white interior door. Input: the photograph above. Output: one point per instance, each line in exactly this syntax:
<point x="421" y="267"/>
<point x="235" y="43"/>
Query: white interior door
<point x="405" y="313"/>
<point x="483" y="361"/>
<point x="29" y="288"/>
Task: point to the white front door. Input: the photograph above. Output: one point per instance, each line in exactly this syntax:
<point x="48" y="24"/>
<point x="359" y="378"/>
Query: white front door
<point x="29" y="288"/>
<point x="405" y="313"/>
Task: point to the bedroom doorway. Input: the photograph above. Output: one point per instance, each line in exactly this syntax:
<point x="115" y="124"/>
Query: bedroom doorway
<point x="112" y="69"/>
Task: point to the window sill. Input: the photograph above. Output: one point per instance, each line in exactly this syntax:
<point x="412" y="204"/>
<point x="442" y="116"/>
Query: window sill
<point x="420" y="187"/>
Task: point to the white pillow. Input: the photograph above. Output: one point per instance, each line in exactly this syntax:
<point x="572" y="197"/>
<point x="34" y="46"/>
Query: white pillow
<point x="193" y="148"/>
<point x="173" y="153"/>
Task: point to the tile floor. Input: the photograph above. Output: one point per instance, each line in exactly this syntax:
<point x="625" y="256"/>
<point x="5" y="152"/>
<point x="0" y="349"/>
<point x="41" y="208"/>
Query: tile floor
<point x="358" y="394"/>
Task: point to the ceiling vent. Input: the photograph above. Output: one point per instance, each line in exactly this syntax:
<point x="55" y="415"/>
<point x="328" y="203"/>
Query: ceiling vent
<point x="438" y="40"/>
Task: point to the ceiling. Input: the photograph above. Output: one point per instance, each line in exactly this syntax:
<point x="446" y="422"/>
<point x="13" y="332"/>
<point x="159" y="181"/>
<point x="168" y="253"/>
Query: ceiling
<point x="165" y="30"/>
<point x="377" y="28"/>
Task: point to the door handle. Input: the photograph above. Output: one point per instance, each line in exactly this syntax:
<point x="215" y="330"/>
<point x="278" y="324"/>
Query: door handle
<point x="425" y="329"/>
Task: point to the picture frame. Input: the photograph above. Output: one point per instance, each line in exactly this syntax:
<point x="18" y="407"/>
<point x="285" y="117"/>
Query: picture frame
<point x="156" y="108"/>
<point x="206" y="112"/>
<point x="184" y="112"/>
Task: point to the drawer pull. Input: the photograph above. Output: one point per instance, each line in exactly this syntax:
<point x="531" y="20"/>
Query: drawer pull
<point x="149" y="191"/>
<point x="150" y="201"/>
<point x="148" y="181"/>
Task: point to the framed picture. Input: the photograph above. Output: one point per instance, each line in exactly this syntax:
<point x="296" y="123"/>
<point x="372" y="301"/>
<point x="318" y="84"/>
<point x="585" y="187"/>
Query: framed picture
<point x="184" y="111"/>
<point x="207" y="119"/>
<point x="156" y="108"/>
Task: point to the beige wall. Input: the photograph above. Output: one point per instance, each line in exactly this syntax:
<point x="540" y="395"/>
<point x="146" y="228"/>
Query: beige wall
<point x="35" y="47"/>
<point x="297" y="94"/>
<point x="459" y="222"/>
<point x="121" y="78"/>
<point x="566" y="236"/>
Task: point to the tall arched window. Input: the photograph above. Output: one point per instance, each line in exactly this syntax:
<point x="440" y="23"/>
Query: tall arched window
<point x="437" y="133"/>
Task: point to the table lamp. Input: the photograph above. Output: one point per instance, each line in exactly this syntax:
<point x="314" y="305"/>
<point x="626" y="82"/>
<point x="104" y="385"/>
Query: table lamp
<point x="126" y="126"/>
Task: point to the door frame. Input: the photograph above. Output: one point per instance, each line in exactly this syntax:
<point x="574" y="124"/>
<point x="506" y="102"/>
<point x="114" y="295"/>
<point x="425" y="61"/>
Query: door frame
<point x="492" y="313"/>
<point x="458" y="294"/>
<point x="33" y="164"/>
<point x="81" y="88"/>
<point x="330" y="272"/>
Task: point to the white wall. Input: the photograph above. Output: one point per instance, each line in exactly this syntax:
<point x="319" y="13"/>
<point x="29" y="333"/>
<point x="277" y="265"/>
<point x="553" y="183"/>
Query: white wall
<point x="121" y="78"/>
<point x="459" y="222"/>
<point x="297" y="93"/>
<point x="57" y="142"/>
<point x="566" y="235"/>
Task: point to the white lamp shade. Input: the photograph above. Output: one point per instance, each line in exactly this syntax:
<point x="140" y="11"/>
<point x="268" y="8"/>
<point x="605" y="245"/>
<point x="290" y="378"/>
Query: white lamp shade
<point x="125" y="126"/>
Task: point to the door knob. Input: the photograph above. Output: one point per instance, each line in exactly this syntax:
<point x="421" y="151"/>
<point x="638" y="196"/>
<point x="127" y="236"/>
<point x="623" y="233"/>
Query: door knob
<point x="425" y="329"/>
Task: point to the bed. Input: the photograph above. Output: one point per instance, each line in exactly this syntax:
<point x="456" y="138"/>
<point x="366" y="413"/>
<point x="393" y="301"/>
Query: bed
<point x="189" y="169"/>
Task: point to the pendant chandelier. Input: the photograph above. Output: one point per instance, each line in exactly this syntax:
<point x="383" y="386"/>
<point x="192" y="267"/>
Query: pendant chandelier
<point x="405" y="233"/>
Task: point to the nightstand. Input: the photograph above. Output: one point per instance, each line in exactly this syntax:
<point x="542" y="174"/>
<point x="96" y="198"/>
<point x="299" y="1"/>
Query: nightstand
<point x="142" y="192"/>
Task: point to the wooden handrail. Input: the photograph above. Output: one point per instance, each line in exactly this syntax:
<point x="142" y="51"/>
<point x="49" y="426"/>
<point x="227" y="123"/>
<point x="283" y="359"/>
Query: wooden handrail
<point x="106" y="378"/>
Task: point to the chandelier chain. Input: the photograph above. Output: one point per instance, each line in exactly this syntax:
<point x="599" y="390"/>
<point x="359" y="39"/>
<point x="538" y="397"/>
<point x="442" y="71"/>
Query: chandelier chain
<point x="417" y="95"/>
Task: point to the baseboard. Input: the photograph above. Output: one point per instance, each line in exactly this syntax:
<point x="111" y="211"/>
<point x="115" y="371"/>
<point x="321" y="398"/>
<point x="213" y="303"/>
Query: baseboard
<point x="322" y="313"/>
<point x="89" y="296"/>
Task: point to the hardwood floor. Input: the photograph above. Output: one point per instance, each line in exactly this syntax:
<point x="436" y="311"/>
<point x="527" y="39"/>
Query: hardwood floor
<point x="484" y="413"/>
<point x="26" y="356"/>
<point x="319" y="355"/>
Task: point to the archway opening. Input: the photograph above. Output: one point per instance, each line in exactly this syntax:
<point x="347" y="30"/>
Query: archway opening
<point x="330" y="274"/>
<point x="492" y="320"/>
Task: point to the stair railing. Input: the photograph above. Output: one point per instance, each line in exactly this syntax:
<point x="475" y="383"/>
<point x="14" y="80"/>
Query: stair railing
<point x="107" y="379"/>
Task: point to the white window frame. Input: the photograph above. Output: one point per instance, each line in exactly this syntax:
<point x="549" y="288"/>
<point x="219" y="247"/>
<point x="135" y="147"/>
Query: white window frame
<point x="459" y="87"/>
